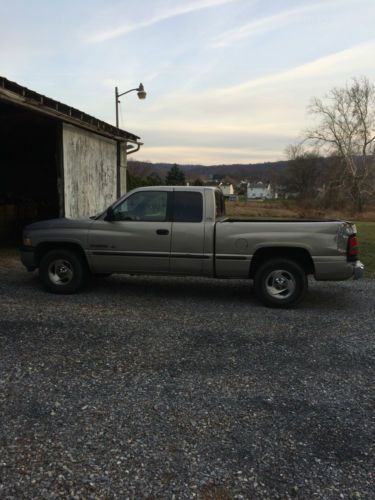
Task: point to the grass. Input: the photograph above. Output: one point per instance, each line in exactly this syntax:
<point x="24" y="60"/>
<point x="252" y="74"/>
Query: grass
<point x="366" y="236"/>
<point x="281" y="208"/>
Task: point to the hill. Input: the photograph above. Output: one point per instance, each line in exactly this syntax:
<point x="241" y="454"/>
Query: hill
<point x="237" y="172"/>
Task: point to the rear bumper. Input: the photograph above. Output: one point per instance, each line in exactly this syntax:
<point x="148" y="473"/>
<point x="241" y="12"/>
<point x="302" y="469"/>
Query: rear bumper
<point x="333" y="269"/>
<point x="28" y="258"/>
<point x="358" y="270"/>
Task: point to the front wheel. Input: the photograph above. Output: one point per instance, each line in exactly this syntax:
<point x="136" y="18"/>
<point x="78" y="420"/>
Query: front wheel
<point x="280" y="283"/>
<point x="62" y="271"/>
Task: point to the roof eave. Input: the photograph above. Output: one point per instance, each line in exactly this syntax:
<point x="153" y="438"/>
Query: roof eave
<point x="16" y="94"/>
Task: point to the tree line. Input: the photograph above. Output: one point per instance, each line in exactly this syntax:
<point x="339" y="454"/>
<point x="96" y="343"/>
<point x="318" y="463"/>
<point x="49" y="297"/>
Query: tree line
<point x="137" y="177"/>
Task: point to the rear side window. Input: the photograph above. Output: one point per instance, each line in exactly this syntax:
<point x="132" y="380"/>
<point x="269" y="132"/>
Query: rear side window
<point x="187" y="207"/>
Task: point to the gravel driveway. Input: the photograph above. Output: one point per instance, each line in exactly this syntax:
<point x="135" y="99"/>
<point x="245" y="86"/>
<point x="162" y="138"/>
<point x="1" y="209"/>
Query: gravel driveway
<point x="148" y="387"/>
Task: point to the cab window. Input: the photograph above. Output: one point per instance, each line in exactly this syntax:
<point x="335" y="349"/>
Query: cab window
<point x="187" y="206"/>
<point x="143" y="206"/>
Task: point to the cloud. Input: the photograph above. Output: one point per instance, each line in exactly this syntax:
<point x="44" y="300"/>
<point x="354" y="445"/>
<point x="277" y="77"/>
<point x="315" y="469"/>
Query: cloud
<point x="308" y="79"/>
<point x="183" y="8"/>
<point x="269" y="23"/>
<point x="333" y="64"/>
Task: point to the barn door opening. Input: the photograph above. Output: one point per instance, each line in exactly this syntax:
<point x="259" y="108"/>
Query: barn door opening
<point x="30" y="159"/>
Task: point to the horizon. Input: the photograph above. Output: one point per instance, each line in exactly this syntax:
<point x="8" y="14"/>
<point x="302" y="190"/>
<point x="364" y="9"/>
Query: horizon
<point x="204" y="165"/>
<point x="236" y="92"/>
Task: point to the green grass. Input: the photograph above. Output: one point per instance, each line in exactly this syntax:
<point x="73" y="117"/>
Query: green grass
<point x="366" y="237"/>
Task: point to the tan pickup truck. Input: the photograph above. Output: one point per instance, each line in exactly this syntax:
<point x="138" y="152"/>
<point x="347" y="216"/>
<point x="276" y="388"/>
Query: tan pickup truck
<point x="175" y="230"/>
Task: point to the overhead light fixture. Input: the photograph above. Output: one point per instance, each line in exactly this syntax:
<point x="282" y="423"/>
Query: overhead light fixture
<point x="140" y="92"/>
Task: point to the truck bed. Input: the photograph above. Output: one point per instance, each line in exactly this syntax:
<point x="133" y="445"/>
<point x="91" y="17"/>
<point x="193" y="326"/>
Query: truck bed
<point x="273" y="219"/>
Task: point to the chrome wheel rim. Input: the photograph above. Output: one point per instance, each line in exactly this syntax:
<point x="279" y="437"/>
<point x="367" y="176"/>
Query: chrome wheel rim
<point x="60" y="272"/>
<point x="280" y="284"/>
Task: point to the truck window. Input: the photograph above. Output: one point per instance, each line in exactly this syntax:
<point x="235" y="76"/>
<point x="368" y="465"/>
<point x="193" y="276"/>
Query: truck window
<point x="187" y="207"/>
<point x="143" y="206"/>
<point x="220" y="203"/>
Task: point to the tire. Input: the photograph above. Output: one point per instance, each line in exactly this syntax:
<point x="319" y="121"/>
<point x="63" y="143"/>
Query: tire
<point x="63" y="271"/>
<point x="280" y="283"/>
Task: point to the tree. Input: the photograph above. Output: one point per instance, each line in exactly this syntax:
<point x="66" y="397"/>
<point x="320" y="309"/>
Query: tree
<point x="139" y="168"/>
<point x="136" y="181"/>
<point x="303" y="172"/>
<point x="153" y="179"/>
<point x="346" y="129"/>
<point x="198" y="182"/>
<point x="133" y="181"/>
<point x="175" y="177"/>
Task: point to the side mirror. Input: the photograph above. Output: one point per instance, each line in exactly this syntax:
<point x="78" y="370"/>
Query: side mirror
<point x="110" y="215"/>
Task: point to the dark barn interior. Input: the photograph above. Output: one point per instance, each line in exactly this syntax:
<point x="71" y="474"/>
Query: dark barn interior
<point x="30" y="158"/>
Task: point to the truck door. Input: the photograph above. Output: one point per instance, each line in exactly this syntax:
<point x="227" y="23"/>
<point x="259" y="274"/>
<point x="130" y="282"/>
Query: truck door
<point x="187" y="243"/>
<point x="139" y="237"/>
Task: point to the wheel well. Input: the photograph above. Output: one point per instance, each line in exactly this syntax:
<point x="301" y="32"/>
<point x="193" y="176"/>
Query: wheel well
<point x="43" y="248"/>
<point x="299" y="255"/>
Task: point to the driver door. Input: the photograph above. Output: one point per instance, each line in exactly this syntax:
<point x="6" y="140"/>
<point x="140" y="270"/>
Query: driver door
<point x="139" y="237"/>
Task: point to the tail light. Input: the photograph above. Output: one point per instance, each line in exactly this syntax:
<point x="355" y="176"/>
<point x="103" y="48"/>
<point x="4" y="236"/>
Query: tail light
<point x="353" y="247"/>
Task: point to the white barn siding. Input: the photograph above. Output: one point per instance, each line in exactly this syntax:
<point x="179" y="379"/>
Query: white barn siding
<point x="89" y="171"/>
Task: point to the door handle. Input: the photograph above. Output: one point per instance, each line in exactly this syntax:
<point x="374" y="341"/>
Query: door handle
<point x="162" y="232"/>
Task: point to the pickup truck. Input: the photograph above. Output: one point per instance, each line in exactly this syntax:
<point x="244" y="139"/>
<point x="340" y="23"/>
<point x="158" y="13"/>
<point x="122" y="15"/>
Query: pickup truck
<point x="176" y="230"/>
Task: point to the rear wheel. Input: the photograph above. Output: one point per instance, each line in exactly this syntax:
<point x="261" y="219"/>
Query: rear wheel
<point x="63" y="271"/>
<point x="280" y="283"/>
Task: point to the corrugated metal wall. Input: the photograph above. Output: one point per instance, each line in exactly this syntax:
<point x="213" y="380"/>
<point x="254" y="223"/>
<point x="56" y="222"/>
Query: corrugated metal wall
<point x="90" y="172"/>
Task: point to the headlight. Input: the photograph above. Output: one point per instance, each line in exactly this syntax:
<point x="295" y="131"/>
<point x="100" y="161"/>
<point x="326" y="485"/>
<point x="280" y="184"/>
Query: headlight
<point x="27" y="242"/>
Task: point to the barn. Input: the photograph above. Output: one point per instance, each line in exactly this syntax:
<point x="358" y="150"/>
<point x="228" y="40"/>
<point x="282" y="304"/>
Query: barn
<point x="55" y="160"/>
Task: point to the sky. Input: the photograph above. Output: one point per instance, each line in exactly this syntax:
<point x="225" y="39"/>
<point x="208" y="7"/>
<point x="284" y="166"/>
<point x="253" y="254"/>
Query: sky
<point x="227" y="81"/>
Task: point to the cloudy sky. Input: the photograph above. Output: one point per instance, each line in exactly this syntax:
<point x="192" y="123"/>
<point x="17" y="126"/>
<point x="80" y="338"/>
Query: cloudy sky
<point x="227" y="80"/>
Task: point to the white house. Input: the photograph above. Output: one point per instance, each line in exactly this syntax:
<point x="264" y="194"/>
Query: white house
<point x="226" y="189"/>
<point x="260" y="191"/>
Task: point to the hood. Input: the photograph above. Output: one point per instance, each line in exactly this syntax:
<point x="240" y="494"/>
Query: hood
<point x="61" y="223"/>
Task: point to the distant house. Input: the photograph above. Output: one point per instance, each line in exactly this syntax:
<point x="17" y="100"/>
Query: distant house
<point x="260" y="191"/>
<point x="226" y="189"/>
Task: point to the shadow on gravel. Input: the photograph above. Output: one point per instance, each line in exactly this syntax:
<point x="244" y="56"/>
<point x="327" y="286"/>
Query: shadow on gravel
<point x="331" y="299"/>
<point x="167" y="288"/>
<point x="332" y="431"/>
<point x="224" y="291"/>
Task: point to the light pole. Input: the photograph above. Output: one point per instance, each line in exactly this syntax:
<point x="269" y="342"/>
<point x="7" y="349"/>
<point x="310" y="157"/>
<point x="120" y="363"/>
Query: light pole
<point x="141" y="95"/>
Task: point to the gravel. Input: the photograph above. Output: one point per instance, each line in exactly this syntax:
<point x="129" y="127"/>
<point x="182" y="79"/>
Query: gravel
<point x="158" y="387"/>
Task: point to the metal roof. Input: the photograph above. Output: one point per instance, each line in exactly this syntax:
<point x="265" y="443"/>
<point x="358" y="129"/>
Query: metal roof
<point x="22" y="96"/>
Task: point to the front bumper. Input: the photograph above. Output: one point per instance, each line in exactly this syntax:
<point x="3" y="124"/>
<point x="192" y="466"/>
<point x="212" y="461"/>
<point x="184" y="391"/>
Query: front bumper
<point x="28" y="258"/>
<point x="358" y="270"/>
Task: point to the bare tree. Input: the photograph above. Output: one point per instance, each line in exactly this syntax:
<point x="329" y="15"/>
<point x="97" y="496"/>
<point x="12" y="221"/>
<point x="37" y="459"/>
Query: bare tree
<point x="346" y="129"/>
<point x="303" y="172"/>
